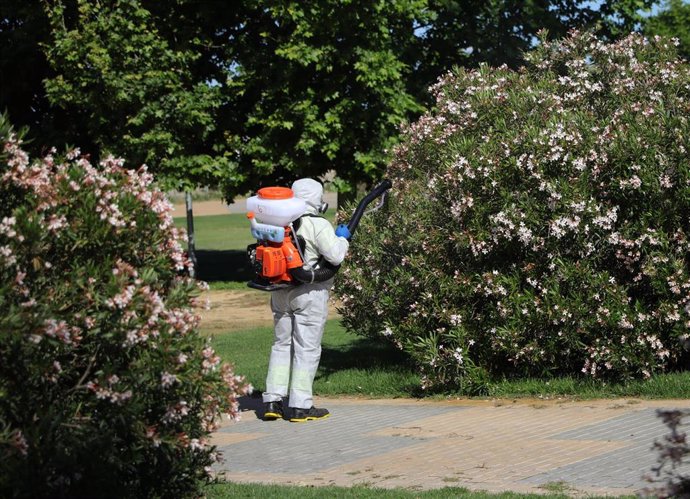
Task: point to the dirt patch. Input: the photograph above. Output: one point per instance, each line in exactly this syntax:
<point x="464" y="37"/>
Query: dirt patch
<point x="231" y="310"/>
<point x="202" y="208"/>
<point x="239" y="310"/>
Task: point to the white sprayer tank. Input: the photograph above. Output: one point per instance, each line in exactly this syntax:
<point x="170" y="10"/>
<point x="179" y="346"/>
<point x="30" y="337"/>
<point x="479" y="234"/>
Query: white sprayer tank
<point x="276" y="206"/>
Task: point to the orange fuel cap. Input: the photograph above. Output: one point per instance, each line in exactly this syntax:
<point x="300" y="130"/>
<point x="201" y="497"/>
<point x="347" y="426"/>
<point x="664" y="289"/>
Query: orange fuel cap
<point x="275" y="193"/>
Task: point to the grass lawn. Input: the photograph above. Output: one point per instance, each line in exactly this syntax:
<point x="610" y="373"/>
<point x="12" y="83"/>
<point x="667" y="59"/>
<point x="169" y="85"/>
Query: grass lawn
<point x="662" y="386"/>
<point x="349" y="365"/>
<point x="220" y="232"/>
<point x="232" y="490"/>
<point x="354" y="366"/>
<point x="225" y="232"/>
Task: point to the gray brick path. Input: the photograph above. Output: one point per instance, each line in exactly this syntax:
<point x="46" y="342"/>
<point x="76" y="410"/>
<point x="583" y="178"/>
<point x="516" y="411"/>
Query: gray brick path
<point x="345" y="437"/>
<point x="622" y="468"/>
<point x="600" y="447"/>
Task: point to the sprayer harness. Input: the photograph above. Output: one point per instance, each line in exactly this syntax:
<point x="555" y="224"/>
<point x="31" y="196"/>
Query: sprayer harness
<point x="310" y="275"/>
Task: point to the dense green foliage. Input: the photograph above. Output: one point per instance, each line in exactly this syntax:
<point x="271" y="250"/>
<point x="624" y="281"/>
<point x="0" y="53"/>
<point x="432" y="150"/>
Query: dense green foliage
<point x="539" y="221"/>
<point x="323" y="86"/>
<point x="106" y="387"/>
<point x="128" y="91"/>
<point x="253" y="92"/>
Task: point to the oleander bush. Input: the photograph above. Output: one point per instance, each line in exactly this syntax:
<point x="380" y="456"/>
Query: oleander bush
<point x="539" y="222"/>
<point x="106" y="387"/>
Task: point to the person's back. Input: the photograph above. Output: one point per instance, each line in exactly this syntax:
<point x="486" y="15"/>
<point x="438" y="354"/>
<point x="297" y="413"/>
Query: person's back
<point x="320" y="242"/>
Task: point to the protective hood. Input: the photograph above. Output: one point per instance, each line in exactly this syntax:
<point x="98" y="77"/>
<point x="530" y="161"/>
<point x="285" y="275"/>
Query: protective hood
<point x="310" y="191"/>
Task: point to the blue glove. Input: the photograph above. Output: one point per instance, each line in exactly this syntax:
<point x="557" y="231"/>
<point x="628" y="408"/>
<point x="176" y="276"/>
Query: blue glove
<point x="343" y="231"/>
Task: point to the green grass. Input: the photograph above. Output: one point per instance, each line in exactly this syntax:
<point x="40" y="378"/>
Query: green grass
<point x="662" y="386"/>
<point x="225" y="232"/>
<point x="228" y="285"/>
<point x="355" y="366"/>
<point x="228" y="490"/>
<point x="220" y="232"/>
<point x="349" y="365"/>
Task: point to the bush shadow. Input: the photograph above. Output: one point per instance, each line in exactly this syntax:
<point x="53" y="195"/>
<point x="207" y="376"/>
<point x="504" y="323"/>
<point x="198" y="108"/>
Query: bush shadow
<point x="223" y="265"/>
<point x="363" y="353"/>
<point x="368" y="355"/>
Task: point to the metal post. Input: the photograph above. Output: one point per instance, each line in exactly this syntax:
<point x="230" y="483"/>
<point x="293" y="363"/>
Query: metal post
<point x="190" y="232"/>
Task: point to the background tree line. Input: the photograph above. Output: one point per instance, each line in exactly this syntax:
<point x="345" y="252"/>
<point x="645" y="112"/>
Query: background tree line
<point x="243" y="93"/>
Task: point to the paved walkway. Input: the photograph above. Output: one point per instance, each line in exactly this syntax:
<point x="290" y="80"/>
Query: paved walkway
<point x="591" y="447"/>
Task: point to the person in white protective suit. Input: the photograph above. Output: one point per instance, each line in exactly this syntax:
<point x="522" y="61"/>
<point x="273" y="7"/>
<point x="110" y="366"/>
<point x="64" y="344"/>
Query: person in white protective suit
<point x="300" y="313"/>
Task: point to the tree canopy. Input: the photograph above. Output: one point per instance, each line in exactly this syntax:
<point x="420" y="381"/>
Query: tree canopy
<point x="259" y="91"/>
<point x="672" y="21"/>
<point x="115" y="72"/>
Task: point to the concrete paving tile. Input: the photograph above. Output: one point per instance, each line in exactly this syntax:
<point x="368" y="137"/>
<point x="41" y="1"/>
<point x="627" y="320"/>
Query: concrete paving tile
<point x="601" y="447"/>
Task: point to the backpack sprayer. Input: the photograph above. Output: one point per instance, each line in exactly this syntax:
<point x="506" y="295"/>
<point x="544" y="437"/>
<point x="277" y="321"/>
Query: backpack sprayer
<point x="278" y="256"/>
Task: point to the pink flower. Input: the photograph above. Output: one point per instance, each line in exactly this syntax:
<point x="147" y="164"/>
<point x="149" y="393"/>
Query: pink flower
<point x="167" y="380"/>
<point x="18" y="442"/>
<point x="57" y="329"/>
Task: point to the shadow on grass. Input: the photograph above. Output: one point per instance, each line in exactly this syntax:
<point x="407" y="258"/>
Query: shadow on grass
<point x="223" y="265"/>
<point x="367" y="355"/>
<point x="363" y="353"/>
<point x="370" y="356"/>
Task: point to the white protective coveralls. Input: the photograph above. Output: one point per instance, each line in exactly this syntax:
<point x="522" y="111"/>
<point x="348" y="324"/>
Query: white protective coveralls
<point x="300" y="312"/>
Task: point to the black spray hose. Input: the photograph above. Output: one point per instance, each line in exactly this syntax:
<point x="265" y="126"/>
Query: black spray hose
<point x="328" y="270"/>
<point x="322" y="274"/>
<point x="378" y="191"/>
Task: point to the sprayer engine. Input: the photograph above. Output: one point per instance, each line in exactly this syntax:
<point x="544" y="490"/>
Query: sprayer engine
<point x="272" y="261"/>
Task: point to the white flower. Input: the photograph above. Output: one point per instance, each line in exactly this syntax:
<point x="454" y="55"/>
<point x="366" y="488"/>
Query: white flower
<point x="167" y="380"/>
<point x="665" y="182"/>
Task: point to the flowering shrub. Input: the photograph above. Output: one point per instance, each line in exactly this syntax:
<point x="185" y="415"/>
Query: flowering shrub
<point x="539" y="222"/>
<point x="106" y="387"/>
